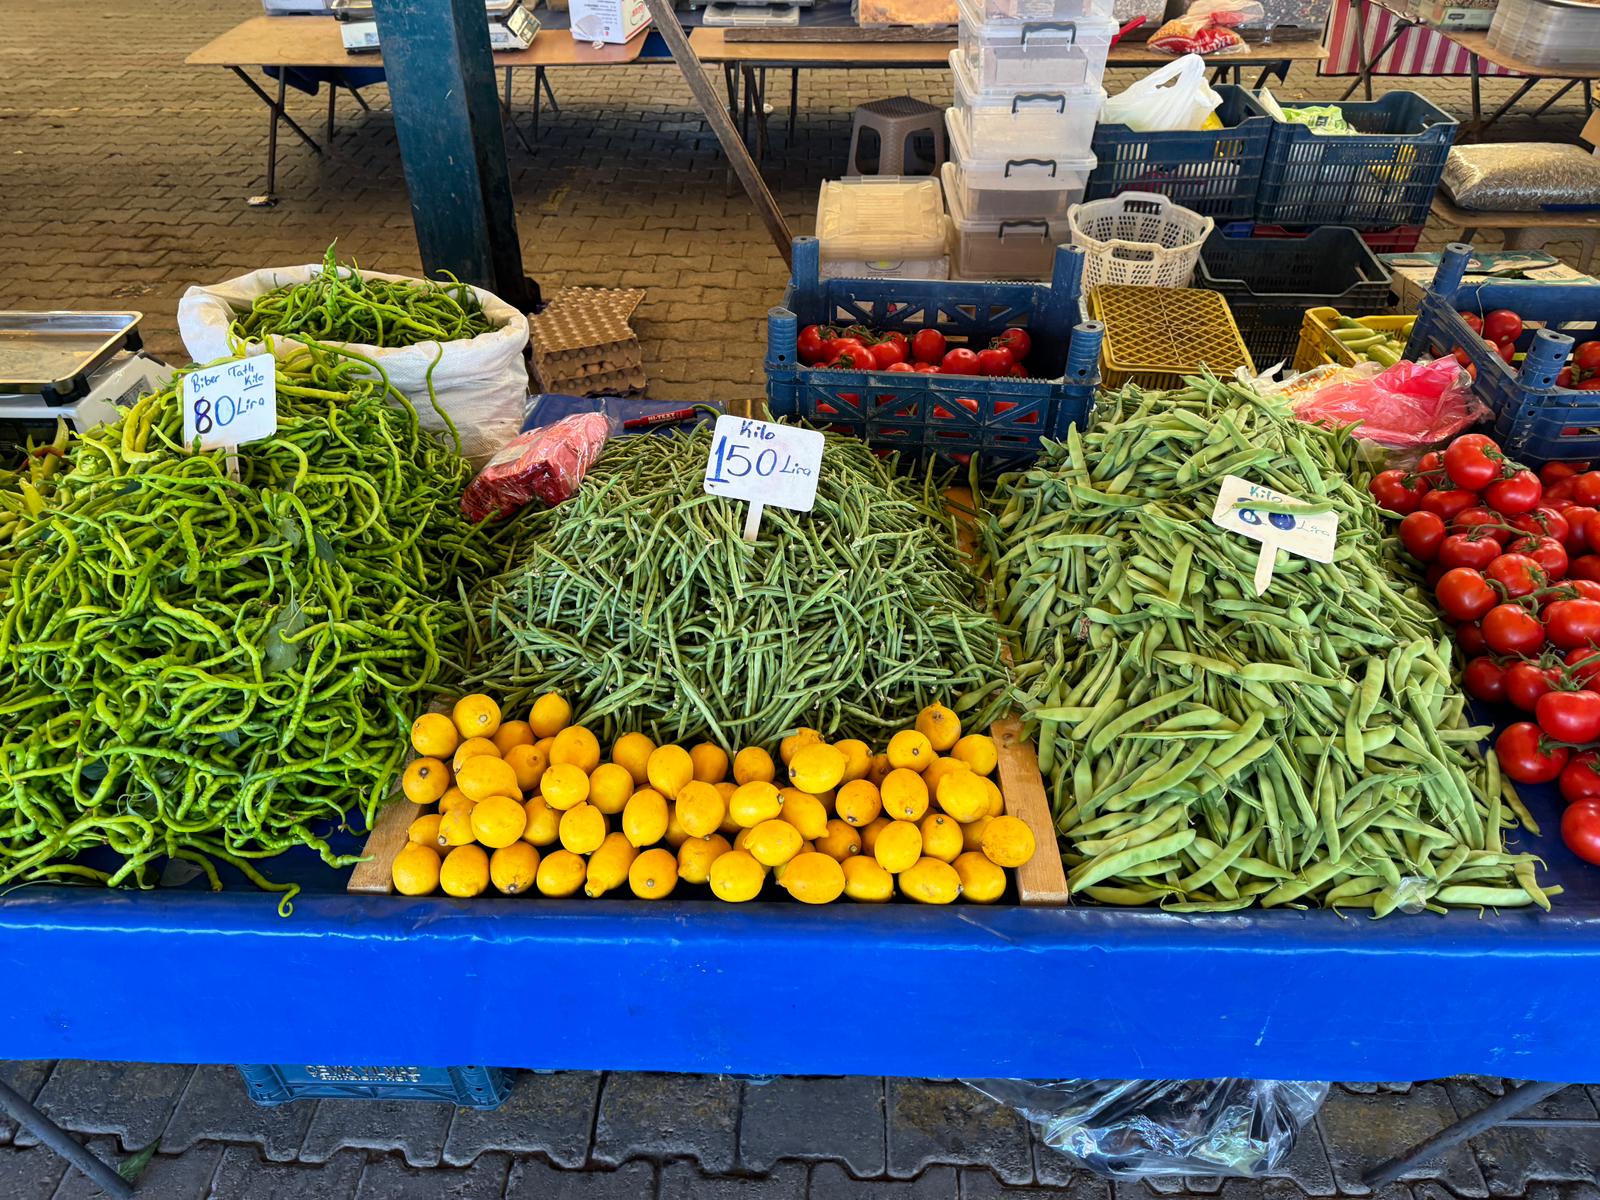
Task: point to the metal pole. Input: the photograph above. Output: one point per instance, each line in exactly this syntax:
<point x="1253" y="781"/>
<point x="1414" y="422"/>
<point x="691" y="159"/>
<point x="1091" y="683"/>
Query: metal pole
<point x="52" y="1135"/>
<point x="440" y="73"/>
<point x="1509" y="1105"/>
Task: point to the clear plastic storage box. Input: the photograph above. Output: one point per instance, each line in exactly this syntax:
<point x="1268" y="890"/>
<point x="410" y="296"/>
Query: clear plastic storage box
<point x="879" y="226"/>
<point x="1005" y="188"/>
<point x="1049" y="10"/>
<point x="1053" y="55"/>
<point x="1007" y="122"/>
<point x="988" y="248"/>
<point x="1552" y="33"/>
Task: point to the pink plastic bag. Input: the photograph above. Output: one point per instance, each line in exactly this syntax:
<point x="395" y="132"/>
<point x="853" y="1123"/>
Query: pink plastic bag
<point x="1409" y="404"/>
<point x="545" y="464"/>
<point x="1207" y="28"/>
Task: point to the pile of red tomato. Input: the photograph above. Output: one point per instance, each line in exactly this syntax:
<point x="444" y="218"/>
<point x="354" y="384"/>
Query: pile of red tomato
<point x="927" y="351"/>
<point x="1501" y="329"/>
<point x="1514" y="562"/>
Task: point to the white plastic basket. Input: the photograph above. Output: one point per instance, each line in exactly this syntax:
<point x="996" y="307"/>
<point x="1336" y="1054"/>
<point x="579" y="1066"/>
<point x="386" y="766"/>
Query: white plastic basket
<point x="1138" y="238"/>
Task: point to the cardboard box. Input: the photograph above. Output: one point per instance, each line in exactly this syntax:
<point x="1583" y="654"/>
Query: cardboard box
<point x="1414" y="271"/>
<point x="613" y="21"/>
<point x="1456" y="16"/>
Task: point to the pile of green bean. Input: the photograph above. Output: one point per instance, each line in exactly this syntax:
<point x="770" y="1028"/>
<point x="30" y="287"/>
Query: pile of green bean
<point x="339" y="304"/>
<point x="639" y="600"/>
<point x="204" y="668"/>
<point x="1212" y="749"/>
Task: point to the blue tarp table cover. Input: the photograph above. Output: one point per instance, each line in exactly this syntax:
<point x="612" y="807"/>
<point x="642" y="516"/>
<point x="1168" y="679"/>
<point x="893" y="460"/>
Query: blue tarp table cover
<point x="186" y="976"/>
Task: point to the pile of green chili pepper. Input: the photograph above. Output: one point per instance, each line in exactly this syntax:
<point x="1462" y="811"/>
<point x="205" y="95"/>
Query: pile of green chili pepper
<point x="339" y="304"/>
<point x="1212" y="749"/>
<point x="204" y="668"/>
<point x="639" y="600"/>
<point x="23" y="489"/>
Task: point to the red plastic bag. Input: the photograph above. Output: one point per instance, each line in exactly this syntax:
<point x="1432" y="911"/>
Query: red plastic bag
<point x="545" y="464"/>
<point x="1408" y="404"/>
<point x="1208" y="28"/>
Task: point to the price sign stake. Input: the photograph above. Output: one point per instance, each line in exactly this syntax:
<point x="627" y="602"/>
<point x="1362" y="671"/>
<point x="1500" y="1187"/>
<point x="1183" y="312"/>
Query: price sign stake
<point x="1277" y="521"/>
<point x="229" y="404"/>
<point x="764" y="464"/>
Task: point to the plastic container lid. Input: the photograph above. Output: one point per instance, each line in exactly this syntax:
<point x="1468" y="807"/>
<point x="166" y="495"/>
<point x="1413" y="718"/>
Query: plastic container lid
<point x="991" y="27"/>
<point x="878" y="217"/>
<point x="1013" y="173"/>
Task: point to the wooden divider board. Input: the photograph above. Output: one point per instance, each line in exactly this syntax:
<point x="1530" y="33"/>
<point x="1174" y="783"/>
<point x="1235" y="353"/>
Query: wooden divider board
<point x="375" y="876"/>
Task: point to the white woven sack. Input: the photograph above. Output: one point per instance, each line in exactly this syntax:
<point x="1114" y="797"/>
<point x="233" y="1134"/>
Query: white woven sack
<point x="1138" y="238"/>
<point x="481" y="382"/>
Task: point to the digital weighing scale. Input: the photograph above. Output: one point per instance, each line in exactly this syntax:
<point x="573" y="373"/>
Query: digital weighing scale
<point x="511" y="27"/>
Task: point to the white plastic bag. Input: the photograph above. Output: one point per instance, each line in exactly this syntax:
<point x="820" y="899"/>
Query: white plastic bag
<point x="1173" y="98"/>
<point x="481" y="382"/>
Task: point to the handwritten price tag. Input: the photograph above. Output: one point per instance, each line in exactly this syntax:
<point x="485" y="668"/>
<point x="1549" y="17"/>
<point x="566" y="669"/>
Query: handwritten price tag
<point x="764" y="464"/>
<point x="231" y="403"/>
<point x="1277" y="521"/>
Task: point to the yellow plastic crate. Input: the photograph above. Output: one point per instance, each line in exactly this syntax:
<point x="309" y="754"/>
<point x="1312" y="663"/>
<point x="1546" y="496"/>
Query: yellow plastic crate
<point x="1318" y="345"/>
<point x="1156" y="335"/>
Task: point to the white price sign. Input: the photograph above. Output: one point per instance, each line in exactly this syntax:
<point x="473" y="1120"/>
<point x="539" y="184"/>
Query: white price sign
<point x="231" y="403"/>
<point x="1277" y="521"/>
<point x="764" y="464"/>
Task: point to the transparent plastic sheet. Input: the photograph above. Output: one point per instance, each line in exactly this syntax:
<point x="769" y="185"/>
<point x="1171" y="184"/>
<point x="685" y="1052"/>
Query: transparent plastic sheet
<point x="545" y="464"/>
<point x="1144" y="1128"/>
<point x="1407" y="405"/>
<point x="1208" y="27"/>
<point x="1522" y="177"/>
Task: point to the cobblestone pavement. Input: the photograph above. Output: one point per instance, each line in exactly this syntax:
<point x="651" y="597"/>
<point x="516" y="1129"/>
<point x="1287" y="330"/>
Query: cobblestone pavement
<point x="586" y="1136"/>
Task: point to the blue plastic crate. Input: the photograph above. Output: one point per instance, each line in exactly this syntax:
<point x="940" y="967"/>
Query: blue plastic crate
<point x="465" y="1087"/>
<point x="1533" y="419"/>
<point x="948" y="417"/>
<point x="1382" y="177"/>
<point x="1214" y="172"/>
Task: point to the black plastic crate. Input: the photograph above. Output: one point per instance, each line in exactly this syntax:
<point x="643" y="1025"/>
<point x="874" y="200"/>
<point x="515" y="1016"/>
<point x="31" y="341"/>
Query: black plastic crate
<point x="1270" y="282"/>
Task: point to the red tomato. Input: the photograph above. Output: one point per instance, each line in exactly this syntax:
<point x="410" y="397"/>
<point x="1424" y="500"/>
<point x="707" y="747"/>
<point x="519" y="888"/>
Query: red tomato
<point x="1583" y="664"/>
<point x="1473" y="461"/>
<point x="1574" y="589"/>
<point x="1469" y="518"/>
<point x="903" y="367"/>
<point x="995" y="361"/>
<point x="1579" y="780"/>
<point x="1465" y="595"/>
<point x="1017" y="341"/>
<point x="1446" y="502"/>
<point x="1542" y="522"/>
<point x="899" y="339"/>
<point x="841" y="346"/>
<point x="1018" y="371"/>
<point x="1577" y="518"/>
<point x="888" y="354"/>
<point x="1461" y="356"/>
<point x="1397" y="492"/>
<point x="1572" y="717"/>
<point x="1517" y="574"/>
<point x="1512" y="629"/>
<point x="1572" y="623"/>
<point x="854" y="360"/>
<point x="1484" y="679"/>
<point x="1564" y="378"/>
<point x="1525" y="758"/>
<point x="1580" y="829"/>
<point x="1550" y="554"/>
<point x="1502" y="325"/>
<point x="927" y="346"/>
<point x="1561" y="489"/>
<point x="923" y="368"/>
<point x="1553" y="471"/>
<point x="1421" y="533"/>
<point x="1526" y="682"/>
<point x="1506" y="350"/>
<point x="959" y="362"/>
<point x="1468" y="550"/>
<point x="1517" y="493"/>
<point x="1586" y="488"/>
<point x="812" y="344"/>
<point x="1432" y="462"/>
<point x="1587" y="357"/>
<point x="1474" y="322"/>
<point x="1469" y="636"/>
<point x="1591" y="384"/>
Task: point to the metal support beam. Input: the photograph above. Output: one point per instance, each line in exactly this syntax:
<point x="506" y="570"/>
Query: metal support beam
<point x="1518" y="1099"/>
<point x="53" y="1136"/>
<point x="440" y="73"/>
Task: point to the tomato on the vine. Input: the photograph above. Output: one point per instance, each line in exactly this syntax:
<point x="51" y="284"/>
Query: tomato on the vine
<point x="1573" y="589"/>
<point x="1525" y="757"/>
<point x="1484" y="679"/>
<point x="1447" y="502"/>
<point x="1586" y="488"/>
<point x="812" y="344"/>
<point x="1465" y="595"/>
<point x="888" y="354"/>
<point x="1517" y="574"/>
<point x="1396" y="491"/>
<point x="1579" y="779"/>
<point x="1526" y="682"/>
<point x="1518" y="492"/>
<point x="1550" y="554"/>
<point x="1583" y="664"/>
<point x="959" y="361"/>
<point x="1469" y="636"/>
<point x="1017" y="341"/>
<point x="1577" y="518"/>
<point x="903" y="367"/>
<point x="1572" y="623"/>
<point x="1492" y="522"/>
<point x="996" y="360"/>
<point x="1585" y="566"/>
<point x="1421" y="534"/>
<point x="1432" y="463"/>
<point x="1586" y="357"/>
<point x="1468" y="550"/>
<point x="1542" y="522"/>
<point x="1553" y="472"/>
<point x="1580" y="829"/>
<point x="1512" y="629"/>
<point x="1571" y="717"/>
<point x="1473" y="461"/>
<point x="928" y="346"/>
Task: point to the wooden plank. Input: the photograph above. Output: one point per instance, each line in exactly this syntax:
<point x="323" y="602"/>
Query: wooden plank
<point x="374" y="876"/>
<point x="852" y="34"/>
<point x="1042" y="879"/>
<point x="1476" y="41"/>
<point x="713" y="45"/>
<point x="1471" y="219"/>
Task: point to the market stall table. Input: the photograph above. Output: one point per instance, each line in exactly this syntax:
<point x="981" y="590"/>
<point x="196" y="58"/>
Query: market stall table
<point x="1525" y="230"/>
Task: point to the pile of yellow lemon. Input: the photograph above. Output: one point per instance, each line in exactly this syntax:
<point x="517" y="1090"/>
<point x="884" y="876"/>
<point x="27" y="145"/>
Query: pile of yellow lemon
<point x="532" y="806"/>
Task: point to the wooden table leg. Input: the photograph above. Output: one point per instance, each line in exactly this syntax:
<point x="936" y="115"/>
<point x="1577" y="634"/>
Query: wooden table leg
<point x="794" y="99"/>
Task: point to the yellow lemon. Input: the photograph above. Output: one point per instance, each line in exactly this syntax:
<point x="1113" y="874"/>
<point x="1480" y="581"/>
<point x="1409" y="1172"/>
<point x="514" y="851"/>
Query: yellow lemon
<point x="910" y="750"/>
<point x="972" y="834"/>
<point x="978" y="751"/>
<point x="471" y="748"/>
<point x="696" y="855"/>
<point x="511" y="733"/>
<point x="800" y="737"/>
<point x="929" y="881"/>
<point x="710" y="762"/>
<point x="736" y="877"/>
<point x="729" y="826"/>
<point x="898" y="846"/>
<point x="544" y="823"/>
<point x="963" y="796"/>
<point x="644" y="817"/>
<point x="476" y="716"/>
<point x="668" y="769"/>
<point x="816" y="768"/>
<point x="497" y="821"/>
<point x="905" y="796"/>
<point x="561" y="873"/>
<point x="528" y="763"/>
<point x="484" y="776"/>
<point x="1007" y="841"/>
<point x="610" y="785"/>
<point x="434" y="735"/>
<point x="454" y="798"/>
<point x="455" y="827"/>
<point x="700" y="808"/>
<point x="425" y="829"/>
<point x="753" y="765"/>
<point x="512" y="868"/>
<point x="870" y="832"/>
<point x="583" y="828"/>
<point x="576" y="745"/>
<point x="740" y="838"/>
<point x="653" y="875"/>
<point x="425" y="780"/>
<point x="941" y="837"/>
<point x="806" y="813"/>
<point x="857" y="758"/>
<point x="813" y="878"/>
<point x="632" y="751"/>
<point x="550" y="715"/>
<point x="773" y="843"/>
<point x="464" y="872"/>
<point x="415" y="870"/>
<point x="865" y="880"/>
<point x="939" y="768"/>
<point x="564" y="785"/>
<point x="676" y="834"/>
<point x="981" y="880"/>
<point x="840" y="841"/>
<point x="858" y="803"/>
<point x="545" y="745"/>
<point x="754" y="802"/>
<point x="940" y="726"/>
<point x="879" y="770"/>
<point x="997" y="801"/>
<point x="608" y="866"/>
<point x="825" y="798"/>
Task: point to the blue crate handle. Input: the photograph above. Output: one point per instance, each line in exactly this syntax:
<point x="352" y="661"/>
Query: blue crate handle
<point x="1031" y="162"/>
<point x="1022" y="98"/>
<point x="1044" y="26"/>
